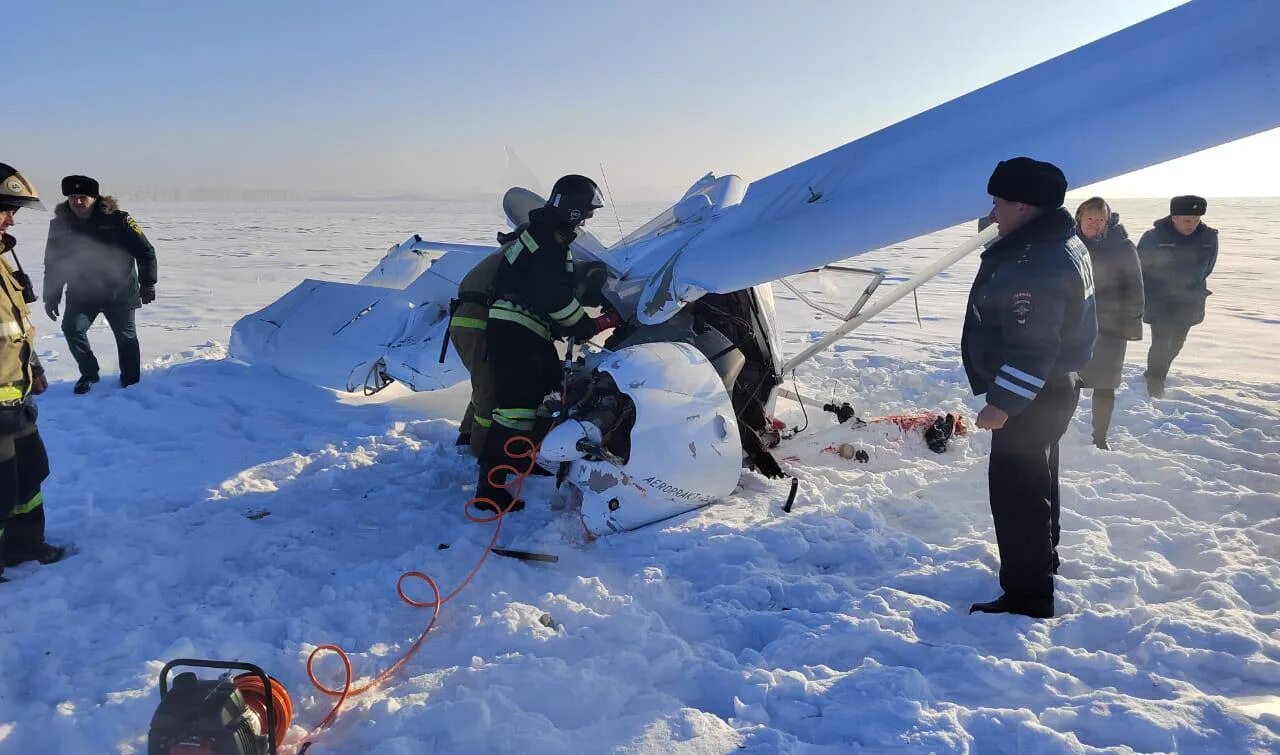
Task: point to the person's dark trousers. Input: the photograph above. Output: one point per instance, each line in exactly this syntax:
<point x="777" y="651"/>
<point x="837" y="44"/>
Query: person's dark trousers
<point x="1023" y="483"/>
<point x="24" y="465"/>
<point x="1166" y="342"/>
<point x="525" y="368"/>
<point x="77" y="320"/>
<point x="471" y="345"/>
<point x="1104" y="405"/>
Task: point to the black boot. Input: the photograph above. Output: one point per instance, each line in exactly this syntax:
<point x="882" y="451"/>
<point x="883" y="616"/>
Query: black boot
<point x="83" y="385"/>
<point x="1155" y="386"/>
<point x="43" y="553"/>
<point x="1104" y="405"/>
<point x="491" y="498"/>
<point x="1037" y="609"/>
<point x="489" y="486"/>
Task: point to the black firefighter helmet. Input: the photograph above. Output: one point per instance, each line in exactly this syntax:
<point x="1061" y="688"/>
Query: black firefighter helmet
<point x="16" y="191"/>
<point x="575" y="198"/>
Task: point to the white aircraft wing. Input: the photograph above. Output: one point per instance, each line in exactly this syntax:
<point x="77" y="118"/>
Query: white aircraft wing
<point x="1197" y="76"/>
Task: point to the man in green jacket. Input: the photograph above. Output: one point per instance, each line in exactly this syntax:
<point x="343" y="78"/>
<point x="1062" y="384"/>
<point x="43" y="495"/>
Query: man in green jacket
<point x="108" y="267"/>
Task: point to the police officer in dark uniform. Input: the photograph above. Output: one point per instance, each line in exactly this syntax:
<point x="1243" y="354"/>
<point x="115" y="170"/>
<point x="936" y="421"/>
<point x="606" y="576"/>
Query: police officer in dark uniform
<point x="24" y="463"/>
<point x="533" y="303"/>
<point x="1178" y="255"/>
<point x="1029" y="327"/>
<point x="108" y="267"/>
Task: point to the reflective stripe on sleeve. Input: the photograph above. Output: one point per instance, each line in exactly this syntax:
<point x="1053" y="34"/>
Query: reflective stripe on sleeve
<point x="1014" y="388"/>
<point x="568" y="314"/>
<point x="1014" y="372"/>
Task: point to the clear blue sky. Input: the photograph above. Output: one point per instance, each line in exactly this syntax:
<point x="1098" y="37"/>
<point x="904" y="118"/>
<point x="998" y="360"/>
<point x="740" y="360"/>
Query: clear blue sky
<point x="409" y="95"/>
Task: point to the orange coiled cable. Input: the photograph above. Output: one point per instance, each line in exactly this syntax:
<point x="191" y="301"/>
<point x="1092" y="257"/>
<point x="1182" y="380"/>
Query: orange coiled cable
<point x="255" y="696"/>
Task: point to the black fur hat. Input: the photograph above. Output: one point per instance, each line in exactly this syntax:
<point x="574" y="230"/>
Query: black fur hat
<point x="79" y="185"/>
<point x="1189" y="204"/>
<point x="1021" y="179"/>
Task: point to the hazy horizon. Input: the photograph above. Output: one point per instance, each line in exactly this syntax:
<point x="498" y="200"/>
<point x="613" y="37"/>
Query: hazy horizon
<point x="419" y="99"/>
<point x="229" y="196"/>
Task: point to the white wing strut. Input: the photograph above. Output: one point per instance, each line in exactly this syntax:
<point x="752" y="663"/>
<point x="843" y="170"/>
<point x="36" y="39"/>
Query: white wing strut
<point x="895" y="293"/>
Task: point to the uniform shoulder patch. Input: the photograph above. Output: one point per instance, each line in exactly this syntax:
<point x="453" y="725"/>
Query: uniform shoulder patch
<point x="133" y="224"/>
<point x="1022" y="307"/>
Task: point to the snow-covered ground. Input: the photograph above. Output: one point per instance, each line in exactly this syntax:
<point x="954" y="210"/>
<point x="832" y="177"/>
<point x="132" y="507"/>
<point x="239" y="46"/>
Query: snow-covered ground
<point x="840" y="627"/>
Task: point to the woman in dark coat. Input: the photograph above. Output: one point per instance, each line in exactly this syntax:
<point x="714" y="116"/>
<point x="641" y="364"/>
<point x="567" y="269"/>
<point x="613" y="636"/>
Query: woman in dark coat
<point x="1117" y="278"/>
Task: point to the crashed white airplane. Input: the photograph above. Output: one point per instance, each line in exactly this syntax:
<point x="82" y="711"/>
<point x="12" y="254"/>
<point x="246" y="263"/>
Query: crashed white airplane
<point x="1200" y="75"/>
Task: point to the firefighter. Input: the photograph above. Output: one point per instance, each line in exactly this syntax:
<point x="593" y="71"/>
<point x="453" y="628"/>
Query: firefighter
<point x="24" y="464"/>
<point x="1029" y="327"/>
<point x="469" y="319"/>
<point x="532" y="303"/>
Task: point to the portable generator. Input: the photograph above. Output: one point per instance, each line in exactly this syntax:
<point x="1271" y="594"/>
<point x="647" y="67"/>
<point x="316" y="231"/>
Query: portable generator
<point x="243" y="714"/>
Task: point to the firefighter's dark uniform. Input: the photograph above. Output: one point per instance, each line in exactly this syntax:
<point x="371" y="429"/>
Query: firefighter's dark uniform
<point x="533" y="303"/>
<point x="102" y="260"/>
<point x="24" y="464"/>
<point x="1029" y="327"/>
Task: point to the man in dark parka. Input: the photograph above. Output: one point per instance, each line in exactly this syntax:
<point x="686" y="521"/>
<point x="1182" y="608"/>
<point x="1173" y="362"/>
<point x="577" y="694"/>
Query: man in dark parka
<point x="108" y="267"/>
<point x="1178" y="255"/>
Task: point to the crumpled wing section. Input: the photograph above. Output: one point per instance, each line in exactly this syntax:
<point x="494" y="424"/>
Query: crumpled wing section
<point x="344" y="336"/>
<point x="321" y="332"/>
<point x="404" y="263"/>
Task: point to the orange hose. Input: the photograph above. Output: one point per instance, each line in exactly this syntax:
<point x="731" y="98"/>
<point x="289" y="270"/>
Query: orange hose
<point x="512" y="485"/>
<point x="250" y="686"/>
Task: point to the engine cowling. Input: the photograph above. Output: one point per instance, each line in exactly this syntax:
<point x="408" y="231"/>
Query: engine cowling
<point x="682" y="449"/>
